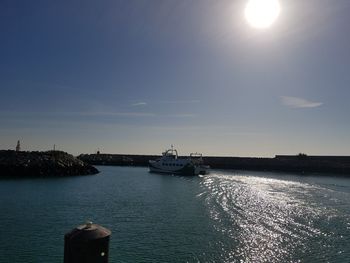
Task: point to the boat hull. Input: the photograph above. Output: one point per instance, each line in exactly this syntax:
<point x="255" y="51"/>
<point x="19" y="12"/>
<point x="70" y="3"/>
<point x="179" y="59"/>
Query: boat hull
<point x="186" y="170"/>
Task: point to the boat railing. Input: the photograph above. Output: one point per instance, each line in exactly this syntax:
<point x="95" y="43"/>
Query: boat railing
<point x="196" y="158"/>
<point x="195" y="155"/>
<point x="171" y="152"/>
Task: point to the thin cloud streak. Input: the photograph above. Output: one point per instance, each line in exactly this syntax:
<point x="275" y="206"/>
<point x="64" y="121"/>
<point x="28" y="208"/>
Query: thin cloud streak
<point x="94" y="114"/>
<point x="121" y="114"/>
<point x="184" y="115"/>
<point x="136" y="104"/>
<point x="295" y="102"/>
<point x="179" y="101"/>
<point x="79" y="114"/>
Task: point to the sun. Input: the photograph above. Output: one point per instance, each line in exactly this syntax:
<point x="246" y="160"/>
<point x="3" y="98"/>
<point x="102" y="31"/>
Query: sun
<point x="262" y="13"/>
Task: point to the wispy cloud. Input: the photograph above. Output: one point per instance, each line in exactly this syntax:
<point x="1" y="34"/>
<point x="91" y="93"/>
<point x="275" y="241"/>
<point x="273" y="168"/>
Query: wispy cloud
<point x="143" y="103"/>
<point x="78" y="114"/>
<point x="91" y="114"/>
<point x="295" y="102"/>
<point x="179" y="101"/>
<point x="136" y="104"/>
<point x="182" y="115"/>
<point x="135" y="114"/>
<point x="121" y="114"/>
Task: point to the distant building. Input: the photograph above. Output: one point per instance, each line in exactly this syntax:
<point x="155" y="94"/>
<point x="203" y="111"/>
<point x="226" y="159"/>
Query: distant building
<point x="18" y="146"/>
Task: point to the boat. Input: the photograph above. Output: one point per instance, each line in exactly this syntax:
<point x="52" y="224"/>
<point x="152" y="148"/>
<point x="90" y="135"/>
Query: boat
<point x="171" y="163"/>
<point x="197" y="160"/>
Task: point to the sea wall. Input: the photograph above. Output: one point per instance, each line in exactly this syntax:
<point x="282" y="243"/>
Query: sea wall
<point x="301" y="164"/>
<point x="50" y="163"/>
<point x="288" y="163"/>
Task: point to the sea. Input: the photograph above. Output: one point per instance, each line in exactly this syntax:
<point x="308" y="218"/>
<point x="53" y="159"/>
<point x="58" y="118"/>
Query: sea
<point x="225" y="216"/>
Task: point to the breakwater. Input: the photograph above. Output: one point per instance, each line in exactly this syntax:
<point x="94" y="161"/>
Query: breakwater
<point x="284" y="163"/>
<point x="50" y="163"/>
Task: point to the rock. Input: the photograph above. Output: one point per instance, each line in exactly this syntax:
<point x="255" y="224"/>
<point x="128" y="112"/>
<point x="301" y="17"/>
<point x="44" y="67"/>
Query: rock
<point x="50" y="163"/>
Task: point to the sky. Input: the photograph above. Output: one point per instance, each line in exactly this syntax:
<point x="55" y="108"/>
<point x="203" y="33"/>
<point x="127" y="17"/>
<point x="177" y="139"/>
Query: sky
<point x="136" y="76"/>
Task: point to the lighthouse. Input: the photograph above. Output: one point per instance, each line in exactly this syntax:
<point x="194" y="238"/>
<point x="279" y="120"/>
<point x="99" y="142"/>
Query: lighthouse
<point x="18" y="146"/>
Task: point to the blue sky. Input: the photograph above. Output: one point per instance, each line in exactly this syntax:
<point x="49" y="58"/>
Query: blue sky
<point x="137" y="76"/>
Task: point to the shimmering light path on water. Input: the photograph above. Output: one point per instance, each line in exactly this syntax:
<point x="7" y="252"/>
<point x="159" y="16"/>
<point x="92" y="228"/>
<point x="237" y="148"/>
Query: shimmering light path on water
<point x="271" y="218"/>
<point x="226" y="216"/>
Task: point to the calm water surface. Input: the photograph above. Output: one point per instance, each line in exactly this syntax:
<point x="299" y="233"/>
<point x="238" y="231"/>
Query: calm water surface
<point x="227" y="216"/>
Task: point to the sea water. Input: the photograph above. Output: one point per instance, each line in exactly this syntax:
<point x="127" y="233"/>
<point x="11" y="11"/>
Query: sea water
<point x="226" y="216"/>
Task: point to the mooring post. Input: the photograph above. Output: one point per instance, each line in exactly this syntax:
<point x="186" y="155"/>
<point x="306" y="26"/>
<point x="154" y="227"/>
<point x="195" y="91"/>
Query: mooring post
<point x="88" y="243"/>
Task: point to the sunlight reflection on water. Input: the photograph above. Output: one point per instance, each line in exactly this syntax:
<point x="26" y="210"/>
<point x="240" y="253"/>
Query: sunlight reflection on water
<point x="267" y="220"/>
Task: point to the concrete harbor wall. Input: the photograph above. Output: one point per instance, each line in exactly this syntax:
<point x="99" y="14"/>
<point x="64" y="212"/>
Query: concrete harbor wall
<point x="289" y="163"/>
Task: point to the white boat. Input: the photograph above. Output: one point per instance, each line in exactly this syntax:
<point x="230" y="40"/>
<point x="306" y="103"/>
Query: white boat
<point x="170" y="163"/>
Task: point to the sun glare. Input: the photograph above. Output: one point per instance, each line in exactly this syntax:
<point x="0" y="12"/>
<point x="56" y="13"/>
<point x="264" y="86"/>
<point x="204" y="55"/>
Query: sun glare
<point x="262" y="13"/>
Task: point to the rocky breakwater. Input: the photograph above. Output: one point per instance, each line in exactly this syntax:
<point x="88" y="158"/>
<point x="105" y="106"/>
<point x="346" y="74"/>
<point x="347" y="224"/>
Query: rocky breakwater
<point x="50" y="163"/>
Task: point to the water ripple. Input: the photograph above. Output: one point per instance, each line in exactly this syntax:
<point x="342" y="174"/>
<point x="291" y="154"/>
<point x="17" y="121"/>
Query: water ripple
<point x="273" y="220"/>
